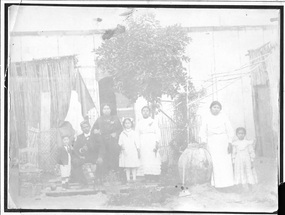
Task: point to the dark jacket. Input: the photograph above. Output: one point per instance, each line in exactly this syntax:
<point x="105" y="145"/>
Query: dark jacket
<point x="108" y="125"/>
<point x="95" y="148"/>
<point x="62" y="156"/>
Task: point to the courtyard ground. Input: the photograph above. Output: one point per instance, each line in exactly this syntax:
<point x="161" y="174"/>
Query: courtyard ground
<point x="166" y="196"/>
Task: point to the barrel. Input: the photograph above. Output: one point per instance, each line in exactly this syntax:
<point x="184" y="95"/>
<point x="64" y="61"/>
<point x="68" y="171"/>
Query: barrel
<point x="195" y="165"/>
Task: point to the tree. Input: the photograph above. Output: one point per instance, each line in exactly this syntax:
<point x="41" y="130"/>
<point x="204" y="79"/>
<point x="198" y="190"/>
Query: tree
<point x="146" y="59"/>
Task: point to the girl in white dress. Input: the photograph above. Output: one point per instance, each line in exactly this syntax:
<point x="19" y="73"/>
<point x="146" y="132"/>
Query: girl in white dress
<point x="243" y="156"/>
<point x="129" y="156"/>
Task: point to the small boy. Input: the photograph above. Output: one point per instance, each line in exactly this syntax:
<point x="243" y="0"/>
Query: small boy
<point x="64" y="160"/>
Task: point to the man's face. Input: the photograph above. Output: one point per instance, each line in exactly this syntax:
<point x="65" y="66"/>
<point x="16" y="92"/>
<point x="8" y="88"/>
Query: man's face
<point x="85" y="128"/>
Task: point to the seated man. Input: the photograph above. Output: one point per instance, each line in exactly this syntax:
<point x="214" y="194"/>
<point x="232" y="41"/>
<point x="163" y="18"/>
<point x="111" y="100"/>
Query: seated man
<point x="88" y="159"/>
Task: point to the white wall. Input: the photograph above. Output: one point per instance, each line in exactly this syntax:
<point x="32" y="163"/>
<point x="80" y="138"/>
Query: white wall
<point x="224" y="52"/>
<point x="210" y="53"/>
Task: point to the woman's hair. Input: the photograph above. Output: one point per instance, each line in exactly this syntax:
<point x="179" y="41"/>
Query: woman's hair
<point x="105" y="104"/>
<point x="216" y="103"/>
<point x="128" y="119"/>
<point x="147" y="107"/>
<point x="240" y="129"/>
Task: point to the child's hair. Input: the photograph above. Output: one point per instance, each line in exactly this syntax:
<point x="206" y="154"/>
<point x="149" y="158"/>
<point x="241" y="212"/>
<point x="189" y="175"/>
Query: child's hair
<point x="240" y="129"/>
<point x="127" y="119"/>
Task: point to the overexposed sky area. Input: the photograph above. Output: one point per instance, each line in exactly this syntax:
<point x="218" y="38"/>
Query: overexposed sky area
<point x="53" y="18"/>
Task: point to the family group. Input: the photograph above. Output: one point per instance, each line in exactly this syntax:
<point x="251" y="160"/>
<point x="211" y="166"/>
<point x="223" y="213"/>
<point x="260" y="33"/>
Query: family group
<point x="110" y="147"/>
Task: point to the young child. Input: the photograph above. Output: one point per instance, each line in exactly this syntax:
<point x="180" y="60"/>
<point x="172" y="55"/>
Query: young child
<point x="129" y="157"/>
<point x="243" y="156"/>
<point x="64" y="160"/>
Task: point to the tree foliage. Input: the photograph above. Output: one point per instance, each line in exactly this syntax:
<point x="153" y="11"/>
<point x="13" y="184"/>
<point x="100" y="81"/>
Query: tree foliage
<point x="146" y="60"/>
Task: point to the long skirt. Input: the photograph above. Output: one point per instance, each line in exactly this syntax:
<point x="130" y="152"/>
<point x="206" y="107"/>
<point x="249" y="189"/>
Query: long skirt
<point x="111" y="159"/>
<point x="150" y="161"/>
<point x="222" y="175"/>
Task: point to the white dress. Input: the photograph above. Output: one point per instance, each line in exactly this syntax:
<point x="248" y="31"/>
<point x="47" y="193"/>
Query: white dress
<point x="129" y="153"/>
<point x="217" y="132"/>
<point x="243" y="156"/>
<point x="148" y="134"/>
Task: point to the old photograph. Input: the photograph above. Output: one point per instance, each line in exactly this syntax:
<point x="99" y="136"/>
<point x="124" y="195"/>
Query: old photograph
<point x="143" y="107"/>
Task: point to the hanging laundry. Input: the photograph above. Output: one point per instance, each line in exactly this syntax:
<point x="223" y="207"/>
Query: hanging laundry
<point x="74" y="114"/>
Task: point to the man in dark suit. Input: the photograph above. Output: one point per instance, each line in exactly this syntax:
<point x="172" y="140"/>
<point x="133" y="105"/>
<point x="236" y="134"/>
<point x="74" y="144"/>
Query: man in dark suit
<point x="88" y="156"/>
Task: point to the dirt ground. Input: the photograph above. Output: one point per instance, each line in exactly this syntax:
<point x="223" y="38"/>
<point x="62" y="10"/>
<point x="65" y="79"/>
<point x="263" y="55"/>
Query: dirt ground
<point x="166" y="196"/>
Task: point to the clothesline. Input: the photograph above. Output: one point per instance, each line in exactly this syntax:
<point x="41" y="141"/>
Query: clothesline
<point x="226" y="74"/>
<point x="221" y="88"/>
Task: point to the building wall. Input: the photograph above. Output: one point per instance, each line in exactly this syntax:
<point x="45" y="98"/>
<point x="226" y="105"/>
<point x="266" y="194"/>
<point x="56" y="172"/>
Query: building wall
<point x="225" y="52"/>
<point x="211" y="53"/>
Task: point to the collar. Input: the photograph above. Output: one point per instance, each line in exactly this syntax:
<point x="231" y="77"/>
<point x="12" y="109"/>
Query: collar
<point x="86" y="135"/>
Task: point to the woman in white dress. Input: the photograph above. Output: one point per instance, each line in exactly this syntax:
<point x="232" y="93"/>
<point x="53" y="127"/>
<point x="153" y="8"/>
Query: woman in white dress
<point x="216" y="132"/>
<point x="149" y="137"/>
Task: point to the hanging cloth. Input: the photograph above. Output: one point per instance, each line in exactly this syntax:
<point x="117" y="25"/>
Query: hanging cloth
<point x="74" y="114"/>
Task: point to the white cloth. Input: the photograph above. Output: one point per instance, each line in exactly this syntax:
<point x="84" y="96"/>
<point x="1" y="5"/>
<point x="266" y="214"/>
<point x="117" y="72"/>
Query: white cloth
<point x="217" y="132"/>
<point x="129" y="154"/>
<point x="66" y="169"/>
<point x="148" y="134"/>
<point x="243" y="157"/>
<point x="74" y="114"/>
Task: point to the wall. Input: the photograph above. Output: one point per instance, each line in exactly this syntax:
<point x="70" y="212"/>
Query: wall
<point x="224" y="52"/>
<point x="211" y="53"/>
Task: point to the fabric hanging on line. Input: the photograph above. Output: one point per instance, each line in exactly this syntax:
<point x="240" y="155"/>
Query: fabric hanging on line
<point x="74" y="112"/>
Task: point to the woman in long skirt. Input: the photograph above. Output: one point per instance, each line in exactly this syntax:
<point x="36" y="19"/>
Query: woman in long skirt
<point x="149" y="137"/>
<point x="109" y="127"/>
<point x="216" y="132"/>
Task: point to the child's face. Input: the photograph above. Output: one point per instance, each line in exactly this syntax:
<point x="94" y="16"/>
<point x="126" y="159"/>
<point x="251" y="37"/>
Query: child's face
<point x="66" y="141"/>
<point x="240" y="134"/>
<point x="128" y="124"/>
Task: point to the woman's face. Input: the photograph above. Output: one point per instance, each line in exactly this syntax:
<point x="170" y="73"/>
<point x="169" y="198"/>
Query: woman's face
<point x="128" y="124"/>
<point x="215" y="109"/>
<point x="145" y="113"/>
<point x="106" y="110"/>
